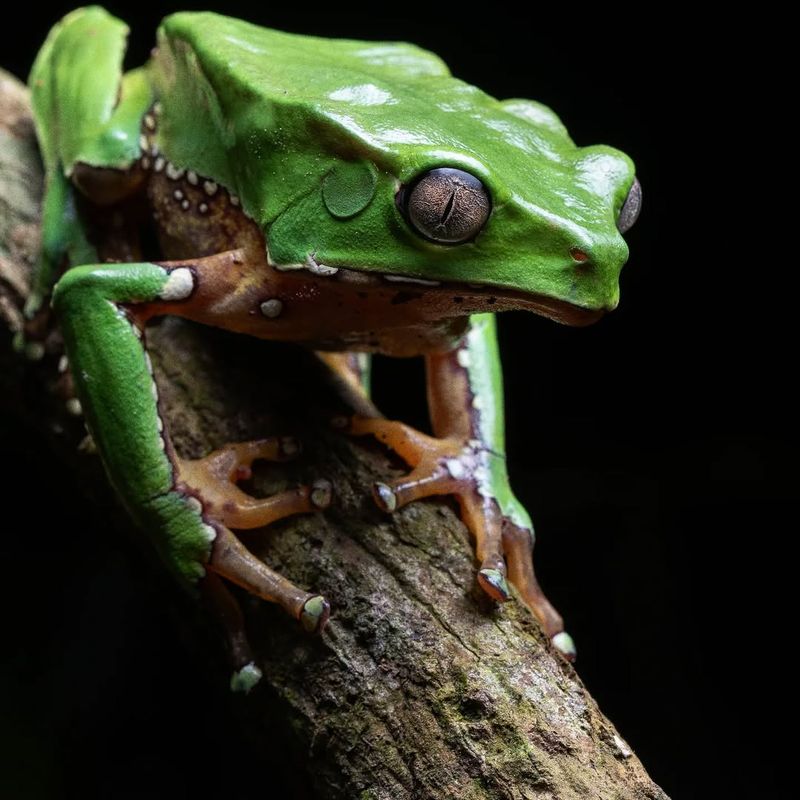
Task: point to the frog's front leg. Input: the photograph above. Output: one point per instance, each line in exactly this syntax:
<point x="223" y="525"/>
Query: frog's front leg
<point x="466" y="458"/>
<point x="187" y="506"/>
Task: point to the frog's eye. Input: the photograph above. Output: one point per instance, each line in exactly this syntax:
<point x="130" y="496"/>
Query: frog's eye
<point x="630" y="208"/>
<point x="446" y="205"/>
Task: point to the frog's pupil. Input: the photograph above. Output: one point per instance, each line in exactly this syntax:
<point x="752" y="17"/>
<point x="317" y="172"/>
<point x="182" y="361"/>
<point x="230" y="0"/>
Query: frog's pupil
<point x="447" y="205"/>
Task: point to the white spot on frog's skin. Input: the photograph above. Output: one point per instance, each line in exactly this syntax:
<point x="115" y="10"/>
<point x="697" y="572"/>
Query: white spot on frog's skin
<point x="185" y="205"/>
<point x="271" y="308"/>
<point x="160" y="424"/>
<point x="477" y="402"/>
<point x="148" y="362"/>
<point x="174" y="173"/>
<point x="145" y="162"/>
<point x="74" y="406"/>
<point x="462" y="356"/>
<point x="154" y="390"/>
<point x="203" y="208"/>
<point x="154" y="151"/>
<point x="137" y="332"/>
<point x="149" y="122"/>
<point x="157" y="107"/>
<point x="162" y="445"/>
<point x="404" y="279"/>
<point x="179" y="285"/>
<point x="194" y="504"/>
<point x="316" y="268"/>
<point x="456" y="468"/>
<point x="210" y="188"/>
<point x="191" y="176"/>
<point x="143" y="142"/>
<point x="63" y="364"/>
<point x="623" y="748"/>
<point x="234" y="200"/>
<point x="159" y="164"/>
<point x="210" y="532"/>
<point x="178" y="194"/>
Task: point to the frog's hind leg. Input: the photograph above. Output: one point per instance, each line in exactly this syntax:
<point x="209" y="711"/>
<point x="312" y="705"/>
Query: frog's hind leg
<point x="102" y="310"/>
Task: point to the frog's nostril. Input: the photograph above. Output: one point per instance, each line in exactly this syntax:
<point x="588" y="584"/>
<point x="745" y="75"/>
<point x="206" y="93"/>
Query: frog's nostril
<point x="578" y="255"/>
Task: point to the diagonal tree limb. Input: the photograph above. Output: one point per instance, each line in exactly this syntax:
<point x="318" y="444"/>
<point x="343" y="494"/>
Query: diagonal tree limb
<point x="419" y="689"/>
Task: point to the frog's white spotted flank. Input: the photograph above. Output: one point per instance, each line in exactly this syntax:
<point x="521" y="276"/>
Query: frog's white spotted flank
<point x="179" y="285"/>
<point x="178" y="194"/>
<point x="149" y="122"/>
<point x="191" y="176"/>
<point x="210" y="188"/>
<point x="272" y="308"/>
<point x="203" y="208"/>
<point x="185" y="205"/>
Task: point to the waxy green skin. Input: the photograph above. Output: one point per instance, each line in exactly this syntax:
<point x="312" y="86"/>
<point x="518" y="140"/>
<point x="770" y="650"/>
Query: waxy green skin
<point x="316" y="137"/>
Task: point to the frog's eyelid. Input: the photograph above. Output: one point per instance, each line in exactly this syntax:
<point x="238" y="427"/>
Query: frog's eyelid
<point x="629" y="212"/>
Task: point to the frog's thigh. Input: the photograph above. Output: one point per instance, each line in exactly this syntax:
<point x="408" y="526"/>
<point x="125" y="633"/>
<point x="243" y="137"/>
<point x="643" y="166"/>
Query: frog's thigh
<point x="97" y="309"/>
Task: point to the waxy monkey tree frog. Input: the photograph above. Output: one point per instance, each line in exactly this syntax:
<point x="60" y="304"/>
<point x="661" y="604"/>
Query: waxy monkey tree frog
<point x="348" y="195"/>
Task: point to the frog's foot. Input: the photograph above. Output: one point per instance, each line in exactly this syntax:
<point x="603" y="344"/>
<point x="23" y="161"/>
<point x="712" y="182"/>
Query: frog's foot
<point x="211" y="483"/>
<point x="473" y="474"/>
<point x="214" y="480"/>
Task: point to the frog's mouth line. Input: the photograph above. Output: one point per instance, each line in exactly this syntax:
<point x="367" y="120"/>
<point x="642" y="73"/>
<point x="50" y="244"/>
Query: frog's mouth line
<point x="465" y="298"/>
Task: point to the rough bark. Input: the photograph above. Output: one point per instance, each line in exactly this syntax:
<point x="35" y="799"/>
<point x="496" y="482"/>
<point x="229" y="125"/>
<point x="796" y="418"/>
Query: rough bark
<point x="419" y="689"/>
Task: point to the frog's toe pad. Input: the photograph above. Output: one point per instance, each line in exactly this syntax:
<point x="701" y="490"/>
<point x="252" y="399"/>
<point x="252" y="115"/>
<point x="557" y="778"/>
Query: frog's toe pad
<point x="565" y="645"/>
<point x="315" y="613"/>
<point x="385" y="498"/>
<point x="244" y="679"/>
<point x="493" y="582"/>
<point x="321" y="494"/>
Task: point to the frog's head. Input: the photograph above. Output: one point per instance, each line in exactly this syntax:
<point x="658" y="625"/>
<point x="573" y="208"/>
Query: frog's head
<point x="370" y="157"/>
<point x="469" y="190"/>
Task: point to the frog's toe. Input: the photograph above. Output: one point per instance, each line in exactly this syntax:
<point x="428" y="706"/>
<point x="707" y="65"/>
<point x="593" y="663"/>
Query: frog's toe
<point x="244" y="679"/>
<point x="565" y="645"/>
<point x="494" y="583"/>
<point x="212" y="480"/>
<point x="315" y="614"/>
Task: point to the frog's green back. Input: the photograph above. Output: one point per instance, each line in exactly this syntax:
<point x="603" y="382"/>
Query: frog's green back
<point x="270" y="114"/>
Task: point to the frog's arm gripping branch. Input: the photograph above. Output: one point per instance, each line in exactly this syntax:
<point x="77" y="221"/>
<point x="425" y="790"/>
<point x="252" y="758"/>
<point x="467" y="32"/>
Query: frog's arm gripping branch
<point x="185" y="505"/>
<point x="466" y="458"/>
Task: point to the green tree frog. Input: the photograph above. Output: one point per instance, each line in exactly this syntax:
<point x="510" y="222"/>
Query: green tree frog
<point x="349" y="195"/>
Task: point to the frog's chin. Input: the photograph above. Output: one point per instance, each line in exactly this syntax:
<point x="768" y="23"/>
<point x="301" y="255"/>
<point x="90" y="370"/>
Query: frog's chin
<point x="475" y="297"/>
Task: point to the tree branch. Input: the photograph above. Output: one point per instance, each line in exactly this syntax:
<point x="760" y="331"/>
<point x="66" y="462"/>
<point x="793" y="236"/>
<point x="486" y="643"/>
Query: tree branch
<point x="420" y="689"/>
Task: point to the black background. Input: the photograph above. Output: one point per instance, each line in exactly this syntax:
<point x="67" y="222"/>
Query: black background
<point x="654" y="449"/>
